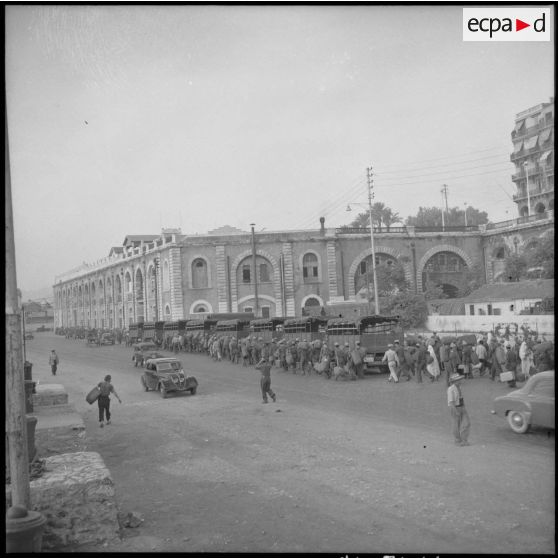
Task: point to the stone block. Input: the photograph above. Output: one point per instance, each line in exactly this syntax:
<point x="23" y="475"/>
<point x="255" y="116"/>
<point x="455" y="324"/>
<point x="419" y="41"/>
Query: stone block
<point x="49" y="394"/>
<point x="76" y="495"/>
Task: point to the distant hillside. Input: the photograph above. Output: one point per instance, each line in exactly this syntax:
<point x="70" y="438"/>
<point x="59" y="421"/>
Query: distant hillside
<point x="38" y="294"/>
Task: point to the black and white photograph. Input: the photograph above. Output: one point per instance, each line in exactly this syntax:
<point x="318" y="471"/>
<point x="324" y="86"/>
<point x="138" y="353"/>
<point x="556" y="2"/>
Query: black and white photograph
<point x="280" y="278"/>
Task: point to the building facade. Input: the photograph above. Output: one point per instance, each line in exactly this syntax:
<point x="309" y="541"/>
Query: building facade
<point x="173" y="276"/>
<point x="533" y="157"/>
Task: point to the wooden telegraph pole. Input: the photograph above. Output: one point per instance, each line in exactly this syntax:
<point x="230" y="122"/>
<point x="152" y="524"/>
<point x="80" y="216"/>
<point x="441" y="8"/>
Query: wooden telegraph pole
<point x="16" y="421"/>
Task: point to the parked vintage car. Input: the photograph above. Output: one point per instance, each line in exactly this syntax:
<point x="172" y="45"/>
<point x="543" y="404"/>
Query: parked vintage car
<point x="143" y="351"/>
<point x="533" y="404"/>
<point x="107" y="339"/>
<point x="166" y="375"/>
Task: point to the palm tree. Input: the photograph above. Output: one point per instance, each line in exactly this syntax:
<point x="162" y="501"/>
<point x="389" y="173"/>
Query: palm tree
<point x="389" y="217"/>
<point x="378" y="210"/>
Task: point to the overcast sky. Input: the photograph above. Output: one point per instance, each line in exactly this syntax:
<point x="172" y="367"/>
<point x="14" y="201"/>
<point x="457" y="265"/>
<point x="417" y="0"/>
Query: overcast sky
<point x="125" y="119"/>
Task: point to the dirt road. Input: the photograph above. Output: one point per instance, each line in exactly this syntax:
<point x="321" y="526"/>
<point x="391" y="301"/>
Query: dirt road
<point x="345" y="467"/>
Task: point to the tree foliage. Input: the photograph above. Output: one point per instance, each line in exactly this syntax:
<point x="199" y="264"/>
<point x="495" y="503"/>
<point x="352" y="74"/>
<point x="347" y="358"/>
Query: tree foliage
<point x="455" y="217"/>
<point x="515" y="268"/>
<point x="382" y="216"/>
<point x="412" y="308"/>
<point x="536" y="262"/>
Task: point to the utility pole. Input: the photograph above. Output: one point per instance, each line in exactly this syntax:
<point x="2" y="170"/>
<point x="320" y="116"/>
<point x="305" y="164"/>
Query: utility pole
<point x="370" y="196"/>
<point x="444" y="191"/>
<point x="16" y="420"/>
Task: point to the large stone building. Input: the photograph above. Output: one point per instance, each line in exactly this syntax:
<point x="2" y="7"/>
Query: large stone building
<point x="533" y="156"/>
<point x="172" y="276"/>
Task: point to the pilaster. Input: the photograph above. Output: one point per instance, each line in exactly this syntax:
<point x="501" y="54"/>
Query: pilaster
<point x="331" y="269"/>
<point x="221" y="266"/>
<point x="287" y="251"/>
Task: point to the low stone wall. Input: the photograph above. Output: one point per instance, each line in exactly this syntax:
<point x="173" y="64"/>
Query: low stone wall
<point x="76" y="495"/>
<point x="49" y="394"/>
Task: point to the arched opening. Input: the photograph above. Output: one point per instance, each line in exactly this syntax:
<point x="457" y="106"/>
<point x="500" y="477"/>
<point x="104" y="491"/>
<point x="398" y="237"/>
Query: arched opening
<point x="444" y="269"/>
<point x="540" y="208"/>
<point x="139" y="285"/>
<point x="200" y="308"/>
<point x="166" y="276"/>
<point x="500" y="253"/>
<point x="244" y="271"/>
<point x="312" y="307"/>
<point x="524" y="211"/>
<point x="364" y="275"/>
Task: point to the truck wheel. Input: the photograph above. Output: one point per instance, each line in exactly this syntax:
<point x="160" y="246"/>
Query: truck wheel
<point x="193" y="390"/>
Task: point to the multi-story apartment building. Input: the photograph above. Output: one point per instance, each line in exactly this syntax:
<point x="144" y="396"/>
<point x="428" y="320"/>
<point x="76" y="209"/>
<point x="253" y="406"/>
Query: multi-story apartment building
<point x="533" y="156"/>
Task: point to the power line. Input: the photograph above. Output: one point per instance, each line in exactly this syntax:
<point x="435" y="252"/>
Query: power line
<point x="446" y="165"/>
<point x="444" y="172"/>
<point x="466" y="154"/>
<point x="433" y="180"/>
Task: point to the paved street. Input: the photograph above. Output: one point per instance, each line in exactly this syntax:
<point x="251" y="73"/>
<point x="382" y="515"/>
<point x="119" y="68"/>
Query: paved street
<point x="362" y="466"/>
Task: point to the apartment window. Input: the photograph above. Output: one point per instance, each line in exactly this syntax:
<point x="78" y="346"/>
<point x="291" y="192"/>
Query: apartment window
<point x="489" y="309"/>
<point x="362" y="267"/>
<point x="265" y="311"/>
<point x="248" y="309"/>
<point x="246" y="274"/>
<point x="472" y="309"/>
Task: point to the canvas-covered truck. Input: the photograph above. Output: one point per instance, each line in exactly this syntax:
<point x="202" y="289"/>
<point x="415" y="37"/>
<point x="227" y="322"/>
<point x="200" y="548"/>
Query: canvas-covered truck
<point x="373" y="332"/>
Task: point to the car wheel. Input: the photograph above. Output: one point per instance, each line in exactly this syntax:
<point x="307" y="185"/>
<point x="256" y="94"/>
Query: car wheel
<point x="163" y="391"/>
<point x="144" y="384"/>
<point x="518" y="422"/>
<point x="193" y="390"/>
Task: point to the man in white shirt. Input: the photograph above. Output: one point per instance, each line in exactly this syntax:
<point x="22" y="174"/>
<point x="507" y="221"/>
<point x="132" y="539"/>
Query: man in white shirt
<point x="393" y="363"/>
<point x="459" y="416"/>
<point x="526" y="356"/>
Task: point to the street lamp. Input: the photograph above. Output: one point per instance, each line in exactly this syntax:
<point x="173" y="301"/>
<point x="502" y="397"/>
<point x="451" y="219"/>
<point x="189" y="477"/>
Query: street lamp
<point x="465" y="204"/>
<point x="370" y="196"/>
<point x="526" y="165"/>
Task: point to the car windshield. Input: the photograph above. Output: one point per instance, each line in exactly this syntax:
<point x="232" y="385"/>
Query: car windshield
<point x="167" y="366"/>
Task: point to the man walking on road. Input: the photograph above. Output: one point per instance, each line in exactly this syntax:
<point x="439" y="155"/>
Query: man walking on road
<point x="53" y="361"/>
<point x="393" y="362"/>
<point x="265" y="368"/>
<point x="106" y="388"/>
<point x="459" y="416"/>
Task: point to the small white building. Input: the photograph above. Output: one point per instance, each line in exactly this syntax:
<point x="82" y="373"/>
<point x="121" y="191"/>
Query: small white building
<point x="508" y="299"/>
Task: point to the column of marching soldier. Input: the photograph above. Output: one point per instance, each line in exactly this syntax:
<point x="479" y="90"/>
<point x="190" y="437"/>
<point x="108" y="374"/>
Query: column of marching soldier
<point x="415" y="357"/>
<point x="418" y="357"/>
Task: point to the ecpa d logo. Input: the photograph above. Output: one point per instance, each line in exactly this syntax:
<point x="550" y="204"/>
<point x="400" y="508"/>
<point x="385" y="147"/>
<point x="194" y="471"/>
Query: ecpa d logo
<point x="507" y="24"/>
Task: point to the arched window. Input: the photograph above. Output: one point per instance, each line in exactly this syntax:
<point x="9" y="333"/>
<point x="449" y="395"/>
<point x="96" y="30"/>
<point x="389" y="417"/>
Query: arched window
<point x="128" y="282"/>
<point x="500" y="253"/>
<point x="539" y="208"/>
<point x="200" y="308"/>
<point x="166" y="276"/>
<point x="167" y="311"/>
<point x="199" y="274"/>
<point x="139" y="285"/>
<point x="310" y="267"/>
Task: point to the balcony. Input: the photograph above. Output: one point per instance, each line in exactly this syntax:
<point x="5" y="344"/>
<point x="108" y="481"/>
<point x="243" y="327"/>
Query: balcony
<point x="533" y="192"/>
<point x="536" y="128"/>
